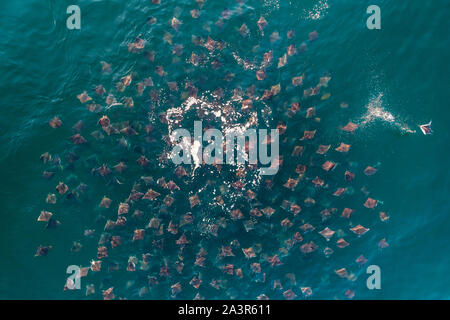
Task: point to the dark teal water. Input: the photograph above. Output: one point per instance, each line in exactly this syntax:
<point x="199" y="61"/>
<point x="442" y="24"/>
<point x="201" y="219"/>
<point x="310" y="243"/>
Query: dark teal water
<point x="399" y="72"/>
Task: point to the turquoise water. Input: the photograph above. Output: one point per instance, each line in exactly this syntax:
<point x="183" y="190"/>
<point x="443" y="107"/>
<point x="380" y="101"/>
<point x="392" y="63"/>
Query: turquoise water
<point x="399" y="73"/>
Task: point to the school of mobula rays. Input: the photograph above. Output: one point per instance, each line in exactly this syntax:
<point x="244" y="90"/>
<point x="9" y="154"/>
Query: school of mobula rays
<point x="235" y="227"/>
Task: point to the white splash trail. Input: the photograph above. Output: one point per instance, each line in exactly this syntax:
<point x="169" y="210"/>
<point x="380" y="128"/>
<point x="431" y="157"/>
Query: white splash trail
<point x="376" y="111"/>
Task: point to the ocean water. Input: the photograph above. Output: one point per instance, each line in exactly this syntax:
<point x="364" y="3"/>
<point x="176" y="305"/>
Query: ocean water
<point x="392" y="80"/>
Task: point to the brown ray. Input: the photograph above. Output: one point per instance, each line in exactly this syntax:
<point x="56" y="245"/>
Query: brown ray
<point x="102" y="252"/>
<point x="154" y="223"/>
<point x="55" y="123"/>
<point x="291" y="184"/>
<point x="310" y="112"/>
<point x="194" y="200"/>
<point x="383" y="243"/>
<point x="322" y="149"/>
<point x="123" y="208"/>
<point x="151" y="195"/>
<point x="139" y="234"/>
<point x="339" y="192"/>
<point x="313" y="35"/>
<point x="370" y="203"/>
<point x="262" y="23"/>
<point x="346" y="213"/>
<point x="84" y="97"/>
<point x="289" y="294"/>
<point x="383" y="216"/>
<point x="249" y="253"/>
<point x="342" y="273"/>
<point x="359" y="230"/>
<point x="306" y="291"/>
<point x="42" y="251"/>
<point x="297" y="81"/>
<point x="292" y="50"/>
<point x="286" y="223"/>
<point x="350" y="294"/>
<point x="108" y="294"/>
<point x="341" y="243"/>
<point x="44" y="216"/>
<point x="328" y="165"/>
<point x="105" y="203"/>
<point x="308" y="247"/>
<point x="260" y="74"/>
<point x="195" y="282"/>
<point x="96" y="265"/>
<point x="369" y="171"/>
<point x="343" y="148"/>
<point x="361" y="260"/>
<point x="120" y="167"/>
<point x="308" y="135"/>
<point x="51" y="198"/>
<point x="62" y="188"/>
<point x="78" y="139"/>
<point x="350" y="127"/>
<point x="116" y="241"/>
<point x="327" y="233"/>
<point x="349" y="176"/>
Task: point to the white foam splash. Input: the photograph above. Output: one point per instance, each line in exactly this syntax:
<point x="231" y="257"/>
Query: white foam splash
<point x="271" y="5"/>
<point x="376" y="111"/>
<point x="229" y="123"/>
<point x="244" y="63"/>
<point x="319" y="10"/>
